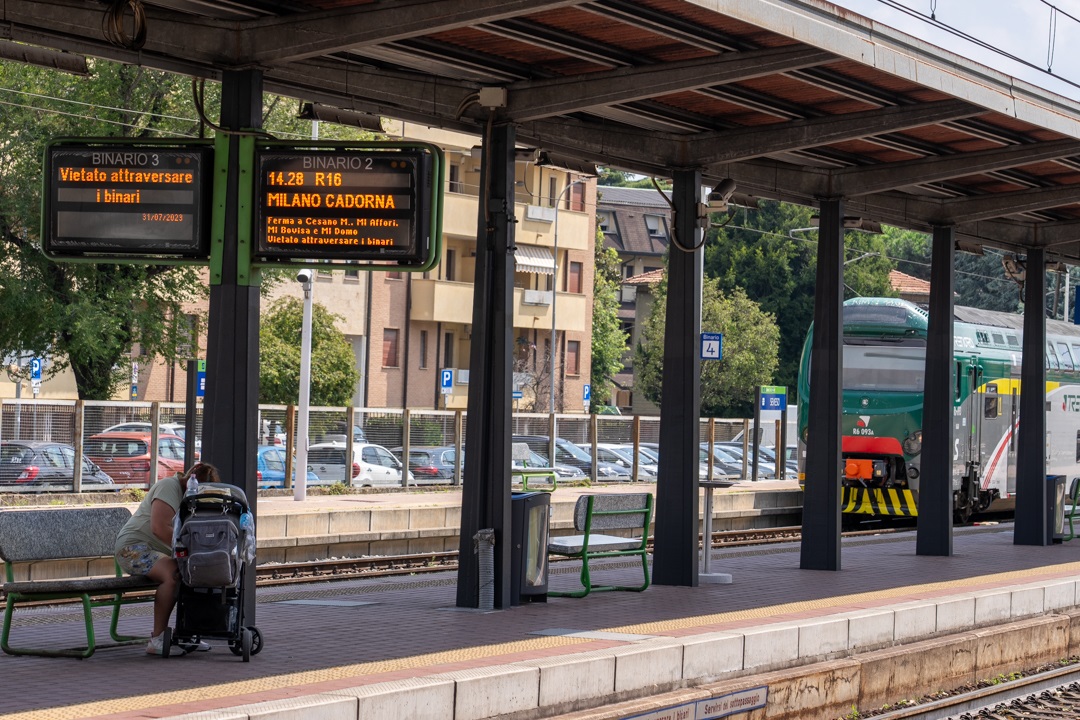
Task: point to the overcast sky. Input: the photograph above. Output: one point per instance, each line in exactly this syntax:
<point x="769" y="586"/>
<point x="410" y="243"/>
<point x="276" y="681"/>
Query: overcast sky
<point x="1017" y="27"/>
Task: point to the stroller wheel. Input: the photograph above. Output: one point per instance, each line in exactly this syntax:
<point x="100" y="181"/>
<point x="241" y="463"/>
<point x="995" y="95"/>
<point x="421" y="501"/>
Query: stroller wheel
<point x="256" y="640"/>
<point x="245" y="644"/>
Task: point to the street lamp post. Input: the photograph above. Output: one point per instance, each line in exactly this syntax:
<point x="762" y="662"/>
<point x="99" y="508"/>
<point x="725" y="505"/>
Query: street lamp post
<point x="304" y="277"/>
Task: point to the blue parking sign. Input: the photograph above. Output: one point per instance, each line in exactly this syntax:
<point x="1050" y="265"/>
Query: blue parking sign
<point x="446" y="380"/>
<point x="35" y="369"/>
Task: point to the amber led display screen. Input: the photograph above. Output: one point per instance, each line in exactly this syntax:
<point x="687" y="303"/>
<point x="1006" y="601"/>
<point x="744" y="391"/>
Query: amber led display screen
<point x="126" y="200"/>
<point x="365" y="205"/>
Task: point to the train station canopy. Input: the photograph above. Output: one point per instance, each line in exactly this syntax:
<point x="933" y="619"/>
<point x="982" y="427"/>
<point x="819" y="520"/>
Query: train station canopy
<point x="793" y="100"/>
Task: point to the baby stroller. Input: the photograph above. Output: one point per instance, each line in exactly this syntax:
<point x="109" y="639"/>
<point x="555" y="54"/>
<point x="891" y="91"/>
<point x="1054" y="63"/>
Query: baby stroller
<point x="215" y="539"/>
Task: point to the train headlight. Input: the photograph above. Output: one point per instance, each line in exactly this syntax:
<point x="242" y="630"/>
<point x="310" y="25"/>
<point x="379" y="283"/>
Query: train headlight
<point x="913" y="443"/>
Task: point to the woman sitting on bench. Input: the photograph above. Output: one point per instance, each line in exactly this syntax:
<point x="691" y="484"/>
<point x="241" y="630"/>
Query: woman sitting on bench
<point x="144" y="545"/>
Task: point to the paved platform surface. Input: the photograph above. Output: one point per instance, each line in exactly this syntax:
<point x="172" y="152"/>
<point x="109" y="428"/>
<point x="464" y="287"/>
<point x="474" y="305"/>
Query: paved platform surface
<point x="351" y="638"/>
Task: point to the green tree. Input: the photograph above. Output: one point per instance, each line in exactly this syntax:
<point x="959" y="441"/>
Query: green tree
<point x="82" y="316"/>
<point x="279" y="366"/>
<point x="608" y="338"/>
<point x="88" y="316"/>
<point x="771" y="254"/>
<point x="978" y="280"/>
<point x="749" y="352"/>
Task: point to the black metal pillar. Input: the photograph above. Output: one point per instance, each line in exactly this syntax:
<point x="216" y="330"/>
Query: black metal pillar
<point x="485" y="499"/>
<point x="1031" y="497"/>
<point x="230" y="410"/>
<point x="675" y="557"/>
<point x="934" y="535"/>
<point x="821" y="495"/>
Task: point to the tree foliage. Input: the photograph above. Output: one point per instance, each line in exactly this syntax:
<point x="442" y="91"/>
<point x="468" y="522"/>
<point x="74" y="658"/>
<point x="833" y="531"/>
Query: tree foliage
<point x="608" y="338"/>
<point x="279" y="366"/>
<point x="82" y="316"/>
<point x="978" y="280"/>
<point x="749" y="351"/>
<point x="771" y="254"/>
<point x="89" y="316"/>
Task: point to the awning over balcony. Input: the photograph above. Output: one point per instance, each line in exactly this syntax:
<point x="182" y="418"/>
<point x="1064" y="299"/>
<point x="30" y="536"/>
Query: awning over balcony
<point x="530" y="258"/>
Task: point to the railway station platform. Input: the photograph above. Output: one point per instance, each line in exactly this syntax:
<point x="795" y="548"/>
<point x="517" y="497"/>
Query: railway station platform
<point x="791" y="643"/>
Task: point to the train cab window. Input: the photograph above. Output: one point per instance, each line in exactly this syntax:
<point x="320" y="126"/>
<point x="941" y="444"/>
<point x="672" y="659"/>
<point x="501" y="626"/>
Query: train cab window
<point x="982" y="337"/>
<point x="1013" y="341"/>
<point x="999" y="339"/>
<point x="1064" y="356"/>
<point x="1051" y="358"/>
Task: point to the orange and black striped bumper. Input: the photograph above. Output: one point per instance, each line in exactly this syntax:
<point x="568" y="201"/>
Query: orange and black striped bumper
<point x="878" y="501"/>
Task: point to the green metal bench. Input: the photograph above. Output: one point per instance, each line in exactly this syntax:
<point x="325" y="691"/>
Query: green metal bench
<point x="623" y="511"/>
<point x="520" y="452"/>
<point x="33" y="536"/>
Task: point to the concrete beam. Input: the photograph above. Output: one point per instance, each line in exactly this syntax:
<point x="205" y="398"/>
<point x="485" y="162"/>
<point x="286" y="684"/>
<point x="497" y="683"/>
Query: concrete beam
<point x="545" y="98"/>
<point x="272" y="41"/>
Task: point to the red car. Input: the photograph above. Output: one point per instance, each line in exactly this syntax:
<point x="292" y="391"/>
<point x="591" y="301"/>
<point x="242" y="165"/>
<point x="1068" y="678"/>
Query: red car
<point x="125" y="456"/>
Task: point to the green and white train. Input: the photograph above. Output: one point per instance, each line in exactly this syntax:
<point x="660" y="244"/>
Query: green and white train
<point x="884" y="348"/>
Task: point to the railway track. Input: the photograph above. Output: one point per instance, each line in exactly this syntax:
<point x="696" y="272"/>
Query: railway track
<point x="1049" y="695"/>
<point x="356" y="568"/>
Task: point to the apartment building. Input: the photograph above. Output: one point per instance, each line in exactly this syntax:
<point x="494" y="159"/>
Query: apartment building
<point x="406" y="328"/>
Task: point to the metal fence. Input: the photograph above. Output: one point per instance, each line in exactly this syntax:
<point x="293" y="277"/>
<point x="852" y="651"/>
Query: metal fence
<point x="78" y="428"/>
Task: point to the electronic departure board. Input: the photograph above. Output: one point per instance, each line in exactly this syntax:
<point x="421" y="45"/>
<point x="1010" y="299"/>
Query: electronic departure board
<point x="354" y="205"/>
<point x="123" y="200"/>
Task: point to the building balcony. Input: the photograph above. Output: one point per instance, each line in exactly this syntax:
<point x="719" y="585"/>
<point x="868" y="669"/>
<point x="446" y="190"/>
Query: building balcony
<point x="536" y="223"/>
<point x="452" y="302"/>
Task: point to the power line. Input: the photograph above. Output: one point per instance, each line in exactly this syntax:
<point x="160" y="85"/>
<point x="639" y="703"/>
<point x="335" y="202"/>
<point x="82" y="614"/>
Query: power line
<point x="932" y="20"/>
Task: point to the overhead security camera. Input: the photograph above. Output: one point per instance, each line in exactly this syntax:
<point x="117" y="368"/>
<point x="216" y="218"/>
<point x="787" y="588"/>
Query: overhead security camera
<point x="304" y="276"/>
<point x="721" y="194"/>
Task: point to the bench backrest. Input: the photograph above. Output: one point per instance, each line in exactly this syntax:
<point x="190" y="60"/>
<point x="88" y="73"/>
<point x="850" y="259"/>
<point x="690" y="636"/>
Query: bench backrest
<point x="59" y="533"/>
<point x="633" y="509"/>
<point x="520" y="451"/>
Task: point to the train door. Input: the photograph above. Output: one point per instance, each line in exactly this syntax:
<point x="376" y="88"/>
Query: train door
<point x="968" y="442"/>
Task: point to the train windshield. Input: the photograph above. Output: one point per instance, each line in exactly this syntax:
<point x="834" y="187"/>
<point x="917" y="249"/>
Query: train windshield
<point x="884" y="366"/>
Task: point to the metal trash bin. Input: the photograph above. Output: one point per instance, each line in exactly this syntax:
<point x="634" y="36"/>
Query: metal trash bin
<point x="1055" y="508"/>
<point x="529" y="519"/>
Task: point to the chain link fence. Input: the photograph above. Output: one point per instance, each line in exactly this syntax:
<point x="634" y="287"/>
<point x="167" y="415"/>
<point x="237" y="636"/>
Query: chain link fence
<point x="91" y="430"/>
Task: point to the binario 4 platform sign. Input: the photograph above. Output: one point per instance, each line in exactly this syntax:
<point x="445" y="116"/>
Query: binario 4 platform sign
<point x="334" y="203"/>
<point x="111" y="199"/>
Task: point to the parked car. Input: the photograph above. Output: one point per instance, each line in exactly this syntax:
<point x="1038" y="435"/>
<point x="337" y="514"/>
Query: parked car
<point x="437" y="463"/>
<point x="271" y="468"/>
<point x="623" y="456"/>
<point x="766" y="460"/>
<point x="567" y="453"/>
<point x="30" y="464"/>
<point x="372" y="465"/>
<point x="430" y="464"/>
<point x="721" y="470"/>
<point x="177" y="429"/>
<point x="125" y="456"/>
<point x="733" y="455"/>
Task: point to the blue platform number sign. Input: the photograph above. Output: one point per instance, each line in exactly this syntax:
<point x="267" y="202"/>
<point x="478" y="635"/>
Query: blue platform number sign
<point x="446" y="380"/>
<point x="35" y="369"/>
<point x="773" y="397"/>
<point x="586" y="394"/>
<point x="712" y="346"/>
<point x="200" y="379"/>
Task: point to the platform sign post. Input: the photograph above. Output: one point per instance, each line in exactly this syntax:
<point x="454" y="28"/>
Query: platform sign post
<point x="712" y="346"/>
<point x="771" y="399"/>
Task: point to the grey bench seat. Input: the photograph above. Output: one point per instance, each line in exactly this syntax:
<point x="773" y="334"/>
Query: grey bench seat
<point x="624" y="511"/>
<point x="30" y="536"/>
